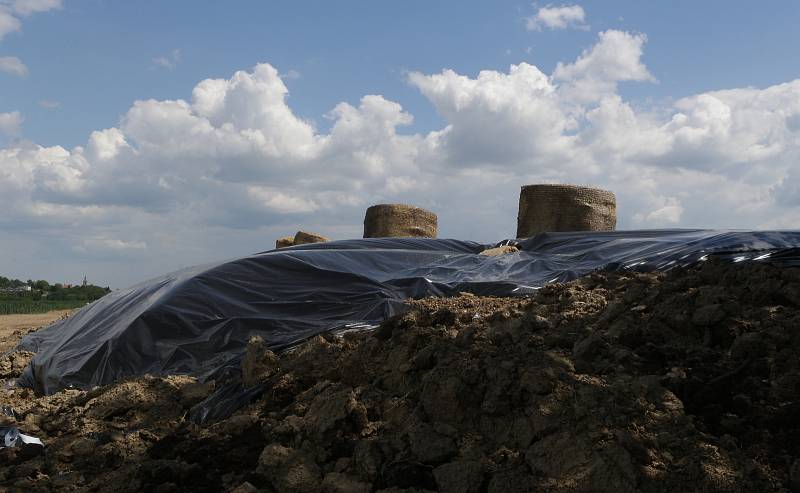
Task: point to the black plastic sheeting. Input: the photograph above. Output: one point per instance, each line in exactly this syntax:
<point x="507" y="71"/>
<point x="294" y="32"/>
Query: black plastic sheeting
<point x="198" y="320"/>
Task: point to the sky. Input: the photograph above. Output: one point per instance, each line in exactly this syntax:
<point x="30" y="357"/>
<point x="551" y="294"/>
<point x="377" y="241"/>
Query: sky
<point x="137" y="138"/>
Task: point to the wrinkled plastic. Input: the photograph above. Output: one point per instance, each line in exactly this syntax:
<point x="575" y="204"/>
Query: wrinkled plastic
<point x="197" y="321"/>
<point x="226" y="399"/>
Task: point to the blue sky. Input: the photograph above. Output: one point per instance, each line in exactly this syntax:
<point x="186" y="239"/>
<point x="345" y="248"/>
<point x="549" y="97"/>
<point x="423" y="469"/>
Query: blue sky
<point x="635" y="105"/>
<point x="95" y="57"/>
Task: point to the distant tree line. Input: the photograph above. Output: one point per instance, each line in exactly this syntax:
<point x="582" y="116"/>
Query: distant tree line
<point x="43" y="296"/>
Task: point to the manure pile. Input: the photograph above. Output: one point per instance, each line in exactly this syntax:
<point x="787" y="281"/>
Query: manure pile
<point x="660" y="382"/>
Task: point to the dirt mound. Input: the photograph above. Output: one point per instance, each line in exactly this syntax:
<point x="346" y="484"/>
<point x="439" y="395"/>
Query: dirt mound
<point x="13" y="362"/>
<point x="686" y="381"/>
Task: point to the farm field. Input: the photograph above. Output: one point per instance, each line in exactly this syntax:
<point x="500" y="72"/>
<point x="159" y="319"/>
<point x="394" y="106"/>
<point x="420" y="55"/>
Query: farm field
<point x="13" y="327"/>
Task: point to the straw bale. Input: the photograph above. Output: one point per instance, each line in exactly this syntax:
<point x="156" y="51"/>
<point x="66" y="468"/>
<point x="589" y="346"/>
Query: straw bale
<point x="399" y="220"/>
<point x="545" y="208"/>
<point x="304" y="237"/>
<point x="284" y="242"/>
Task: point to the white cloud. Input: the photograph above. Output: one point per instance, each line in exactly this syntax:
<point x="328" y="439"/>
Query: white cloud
<point x="235" y="131"/>
<point x="734" y="126"/>
<point x="168" y="61"/>
<point x="521" y="109"/>
<point x="49" y="104"/>
<point x="13" y="65"/>
<point x="28" y="7"/>
<point x="668" y="214"/>
<point x="561" y="17"/>
<point x="233" y="167"/>
<point x="616" y="57"/>
<point x="12" y="10"/>
<point x="101" y="244"/>
<point x="8" y="23"/>
<point x="274" y="200"/>
<point x="10" y="123"/>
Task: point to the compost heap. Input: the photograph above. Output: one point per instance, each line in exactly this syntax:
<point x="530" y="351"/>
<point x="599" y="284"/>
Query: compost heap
<point x="680" y="381"/>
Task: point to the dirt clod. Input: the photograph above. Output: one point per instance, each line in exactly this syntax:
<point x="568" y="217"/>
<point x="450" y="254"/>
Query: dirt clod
<point x="259" y="363"/>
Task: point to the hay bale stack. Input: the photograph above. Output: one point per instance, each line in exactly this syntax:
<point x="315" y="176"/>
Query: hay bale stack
<point x="304" y="237"/>
<point x="545" y="208"/>
<point x="284" y="242"/>
<point x="399" y="220"/>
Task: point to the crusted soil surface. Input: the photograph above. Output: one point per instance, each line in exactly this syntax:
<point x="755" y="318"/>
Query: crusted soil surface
<point x="684" y="381"/>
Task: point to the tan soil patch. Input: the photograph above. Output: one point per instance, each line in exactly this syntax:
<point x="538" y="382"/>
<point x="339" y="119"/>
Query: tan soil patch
<point x="14" y="327"/>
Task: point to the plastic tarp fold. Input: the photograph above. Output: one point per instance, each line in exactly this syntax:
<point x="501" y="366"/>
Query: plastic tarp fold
<point x="198" y="320"/>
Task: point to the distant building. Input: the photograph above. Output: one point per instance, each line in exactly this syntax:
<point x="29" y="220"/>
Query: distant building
<point x="19" y="289"/>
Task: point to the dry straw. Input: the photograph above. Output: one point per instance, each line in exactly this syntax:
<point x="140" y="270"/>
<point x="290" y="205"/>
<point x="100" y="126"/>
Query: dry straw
<point x="284" y="242"/>
<point x="545" y="208"/>
<point x="303" y="237"/>
<point x="399" y="220"/>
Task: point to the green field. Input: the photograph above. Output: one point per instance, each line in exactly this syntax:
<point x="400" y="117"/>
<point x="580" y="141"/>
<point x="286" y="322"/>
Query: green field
<point x="19" y="306"/>
<point x="23" y="297"/>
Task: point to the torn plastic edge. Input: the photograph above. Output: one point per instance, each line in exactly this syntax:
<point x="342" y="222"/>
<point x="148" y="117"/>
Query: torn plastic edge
<point x="11" y="437"/>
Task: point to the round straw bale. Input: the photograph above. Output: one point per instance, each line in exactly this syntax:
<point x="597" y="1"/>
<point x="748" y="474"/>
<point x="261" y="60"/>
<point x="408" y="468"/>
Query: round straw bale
<point x="399" y="220"/>
<point x="545" y="208"/>
<point x="284" y="242"/>
<point x="303" y="237"/>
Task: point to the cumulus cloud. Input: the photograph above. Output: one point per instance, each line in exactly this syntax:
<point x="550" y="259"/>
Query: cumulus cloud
<point x="520" y="108"/>
<point x="10" y="123"/>
<point x="237" y="136"/>
<point x="233" y="165"/>
<point x="13" y="65"/>
<point x="558" y="17"/>
<point x="616" y="57"/>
